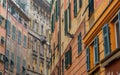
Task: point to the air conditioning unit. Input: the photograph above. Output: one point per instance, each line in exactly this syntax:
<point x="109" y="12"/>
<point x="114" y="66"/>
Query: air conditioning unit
<point x="1" y="57"/>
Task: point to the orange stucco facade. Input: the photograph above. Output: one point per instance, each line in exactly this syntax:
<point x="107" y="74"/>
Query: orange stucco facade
<point x="104" y="13"/>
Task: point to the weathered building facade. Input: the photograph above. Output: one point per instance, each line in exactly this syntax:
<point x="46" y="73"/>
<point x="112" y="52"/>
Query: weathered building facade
<point x="14" y="21"/>
<point x="85" y="37"/>
<point x="38" y="38"/>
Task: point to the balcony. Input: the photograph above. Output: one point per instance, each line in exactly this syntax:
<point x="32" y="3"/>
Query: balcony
<point x="34" y="53"/>
<point x="43" y="39"/>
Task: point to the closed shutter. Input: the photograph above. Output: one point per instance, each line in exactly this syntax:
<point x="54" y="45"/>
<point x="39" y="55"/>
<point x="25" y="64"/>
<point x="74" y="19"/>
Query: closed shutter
<point x="88" y="58"/>
<point x="75" y="8"/>
<point x="0" y="73"/>
<point x="4" y="3"/>
<point x="96" y="52"/>
<point x="79" y="43"/>
<point x="66" y="60"/>
<point x="66" y="22"/>
<point x="8" y="27"/>
<point x="12" y="62"/>
<point x="18" y="65"/>
<point x="52" y="23"/>
<point x="25" y="40"/>
<point x="6" y="59"/>
<point x="80" y="3"/>
<point x="12" y="10"/>
<point x="106" y="37"/>
<point x="13" y="32"/>
<point x="57" y="8"/>
<point x="19" y="37"/>
<point x="69" y="16"/>
<point x="91" y="7"/>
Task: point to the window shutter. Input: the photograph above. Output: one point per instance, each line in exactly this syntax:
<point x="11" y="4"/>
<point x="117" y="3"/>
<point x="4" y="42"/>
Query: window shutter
<point x="13" y="32"/>
<point x="12" y="10"/>
<point x="4" y="3"/>
<point x="25" y="40"/>
<point x="66" y="60"/>
<point x="96" y="52"/>
<point x="106" y="37"/>
<point x="69" y="15"/>
<point x="91" y="7"/>
<point x="18" y="64"/>
<point x="88" y="58"/>
<point x="12" y="62"/>
<point x="66" y="22"/>
<point x="80" y="3"/>
<point x="8" y="27"/>
<point x="119" y="17"/>
<point x="19" y="37"/>
<point x="6" y="59"/>
<point x="79" y="43"/>
<point x="56" y="11"/>
<point x="70" y="56"/>
<point x="75" y="8"/>
<point x="52" y="23"/>
<point x="0" y="73"/>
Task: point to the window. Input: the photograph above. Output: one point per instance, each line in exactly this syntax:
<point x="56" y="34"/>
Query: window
<point x="80" y="3"/>
<point x="79" y="43"/>
<point x="12" y="10"/>
<point x="88" y="58"/>
<point x="1" y="19"/>
<point x="91" y="7"/>
<point x="2" y="40"/>
<point x="96" y="52"/>
<point x="4" y="3"/>
<point x="25" y="40"/>
<point x="106" y="37"/>
<point x="66" y="22"/>
<point x="41" y="29"/>
<point x="0" y="73"/>
<point x="19" y="37"/>
<point x="57" y="8"/>
<point x="8" y="27"/>
<point x="13" y="32"/>
<point x="6" y="59"/>
<point x="69" y="15"/>
<point x="63" y="66"/>
<point x="68" y="58"/>
<point x="12" y="63"/>
<point x="75" y="8"/>
<point x="24" y="67"/>
<point x="18" y="65"/>
<point x="117" y="26"/>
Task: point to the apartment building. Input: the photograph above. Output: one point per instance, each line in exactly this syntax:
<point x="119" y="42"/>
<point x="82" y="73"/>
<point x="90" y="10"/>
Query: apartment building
<point x="39" y="38"/>
<point x="14" y="22"/>
<point x="85" y="37"/>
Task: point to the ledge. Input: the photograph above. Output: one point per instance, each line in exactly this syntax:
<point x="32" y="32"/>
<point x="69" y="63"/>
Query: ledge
<point x="110" y="58"/>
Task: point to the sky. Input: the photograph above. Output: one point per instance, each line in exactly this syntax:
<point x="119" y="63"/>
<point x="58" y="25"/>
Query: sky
<point x="49" y="1"/>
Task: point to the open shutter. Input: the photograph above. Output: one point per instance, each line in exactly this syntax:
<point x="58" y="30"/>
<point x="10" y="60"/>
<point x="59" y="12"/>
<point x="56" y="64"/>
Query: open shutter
<point x="106" y="37"/>
<point x="96" y="52"/>
<point x="6" y="59"/>
<point x="66" y="22"/>
<point x="91" y="7"/>
<point x="52" y="23"/>
<point x="70" y="56"/>
<point x="88" y="58"/>
<point x="80" y="3"/>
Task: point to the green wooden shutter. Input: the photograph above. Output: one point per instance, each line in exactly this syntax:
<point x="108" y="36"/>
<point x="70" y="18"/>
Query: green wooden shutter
<point x="8" y="27"/>
<point x="106" y="37"/>
<point x="119" y="17"/>
<point x="62" y="66"/>
<point x="70" y="56"/>
<point x="96" y="52"/>
<point x="6" y="59"/>
<point x="24" y="67"/>
<point x="12" y="10"/>
<point x="25" y="40"/>
<point x="13" y="32"/>
<point x="66" y="60"/>
<point x="18" y="64"/>
<point x="52" y="23"/>
<point x="66" y="22"/>
<point x="75" y="8"/>
<point x="91" y="7"/>
<point x="88" y="58"/>
<point x="4" y="3"/>
<point x="79" y="43"/>
<point x="0" y="73"/>
<point x="80" y="3"/>
<point x="12" y="62"/>
<point x="19" y="37"/>
<point x="69" y="16"/>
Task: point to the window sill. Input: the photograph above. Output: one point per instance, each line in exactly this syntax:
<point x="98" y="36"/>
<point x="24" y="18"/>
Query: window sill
<point x="93" y="69"/>
<point x="79" y="54"/>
